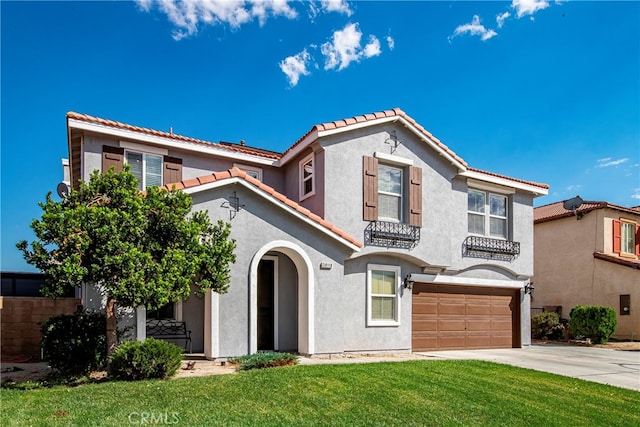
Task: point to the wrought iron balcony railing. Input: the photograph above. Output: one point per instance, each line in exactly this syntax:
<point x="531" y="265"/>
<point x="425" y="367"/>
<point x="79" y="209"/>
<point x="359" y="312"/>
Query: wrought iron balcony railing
<point x="475" y="244"/>
<point x="395" y="234"/>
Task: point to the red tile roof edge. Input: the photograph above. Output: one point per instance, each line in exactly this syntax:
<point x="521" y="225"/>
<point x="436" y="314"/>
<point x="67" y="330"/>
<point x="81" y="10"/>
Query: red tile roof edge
<point x="228" y="147"/>
<point x="633" y="263"/>
<point x="497" y="175"/>
<point x="238" y="173"/>
<point x="395" y="112"/>
<point x="556" y="210"/>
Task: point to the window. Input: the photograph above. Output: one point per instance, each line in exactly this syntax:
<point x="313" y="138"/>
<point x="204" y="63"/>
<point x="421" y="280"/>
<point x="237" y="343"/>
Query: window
<point x="487" y="212"/>
<point x="146" y="167"/>
<point x="626" y="237"/>
<point x="250" y="170"/>
<point x="390" y="193"/>
<point x="387" y="187"/>
<point x="383" y="283"/>
<point x="627" y="233"/>
<point x="307" y="184"/>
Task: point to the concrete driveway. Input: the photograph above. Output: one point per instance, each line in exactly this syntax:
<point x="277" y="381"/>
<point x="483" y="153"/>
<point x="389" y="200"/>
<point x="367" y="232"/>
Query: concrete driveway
<point x="614" y="367"/>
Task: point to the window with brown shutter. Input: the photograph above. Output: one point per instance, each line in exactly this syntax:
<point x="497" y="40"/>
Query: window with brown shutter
<point x="626" y="237"/>
<point x="370" y="189"/>
<point x="172" y="170"/>
<point x="415" y="196"/>
<point x="112" y="156"/>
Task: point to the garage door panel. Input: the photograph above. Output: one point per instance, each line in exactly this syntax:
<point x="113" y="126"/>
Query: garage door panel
<point x="458" y="317"/>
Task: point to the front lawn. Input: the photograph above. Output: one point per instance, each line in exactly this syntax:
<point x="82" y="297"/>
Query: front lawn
<point x="399" y="393"/>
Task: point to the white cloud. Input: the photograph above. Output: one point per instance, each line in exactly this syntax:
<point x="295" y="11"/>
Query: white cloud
<point x="295" y="66"/>
<point x="340" y="6"/>
<point x="187" y="16"/>
<point x="528" y="7"/>
<point x="636" y="194"/>
<point x="501" y="18"/>
<point x="391" y="42"/>
<point x="344" y="48"/>
<point x="372" y="48"/>
<point x="607" y="162"/>
<point x="474" y="28"/>
<point x="574" y="187"/>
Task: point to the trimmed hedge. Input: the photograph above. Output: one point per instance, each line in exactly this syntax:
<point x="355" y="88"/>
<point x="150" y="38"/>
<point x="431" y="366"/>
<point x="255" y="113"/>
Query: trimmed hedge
<point x="547" y="326"/>
<point x="142" y="360"/>
<point x="593" y="321"/>
<point x="263" y="359"/>
<point x="75" y="344"/>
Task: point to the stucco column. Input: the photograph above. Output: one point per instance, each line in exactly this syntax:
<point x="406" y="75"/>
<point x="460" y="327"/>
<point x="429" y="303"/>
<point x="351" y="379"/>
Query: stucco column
<point x="141" y="323"/>
<point x="211" y="331"/>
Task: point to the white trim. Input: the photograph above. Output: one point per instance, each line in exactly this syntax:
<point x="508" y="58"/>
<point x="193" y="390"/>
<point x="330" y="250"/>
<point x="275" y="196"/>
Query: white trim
<point x="248" y="168"/>
<point x="144" y="148"/>
<point x="177" y="311"/>
<point x="538" y="191"/>
<point x="472" y="183"/>
<point x="294" y="212"/>
<point x="395" y="160"/>
<point x="359" y="125"/>
<point x="397" y="270"/>
<point x="167" y="142"/>
<point x="306" y="294"/>
<point x="211" y="325"/>
<point x="301" y="164"/>
<point x="141" y="323"/>
<point x="440" y="279"/>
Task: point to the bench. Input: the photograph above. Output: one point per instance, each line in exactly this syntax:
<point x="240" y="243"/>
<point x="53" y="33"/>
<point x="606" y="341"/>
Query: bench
<point x="169" y="329"/>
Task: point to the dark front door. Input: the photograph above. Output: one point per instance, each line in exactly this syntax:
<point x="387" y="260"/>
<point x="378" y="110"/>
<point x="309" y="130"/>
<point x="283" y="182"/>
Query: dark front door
<point x="266" y="274"/>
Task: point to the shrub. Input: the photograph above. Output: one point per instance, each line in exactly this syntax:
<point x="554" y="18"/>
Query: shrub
<point x="141" y="360"/>
<point x="546" y="326"/>
<point x="75" y="344"/>
<point x="264" y="359"/>
<point x="592" y="321"/>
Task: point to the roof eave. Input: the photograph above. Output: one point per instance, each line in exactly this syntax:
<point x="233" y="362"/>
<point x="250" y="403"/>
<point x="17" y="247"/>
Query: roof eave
<point x="537" y="191"/>
<point x="163" y="141"/>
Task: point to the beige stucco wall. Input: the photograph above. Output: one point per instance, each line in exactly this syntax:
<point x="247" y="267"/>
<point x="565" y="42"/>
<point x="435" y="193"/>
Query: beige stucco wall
<point x="567" y="274"/>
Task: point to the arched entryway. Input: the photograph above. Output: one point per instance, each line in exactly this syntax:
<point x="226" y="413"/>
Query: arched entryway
<point x="281" y="299"/>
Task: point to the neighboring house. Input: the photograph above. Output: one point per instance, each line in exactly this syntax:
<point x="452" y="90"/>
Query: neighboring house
<point x="589" y="257"/>
<point x="367" y="234"/>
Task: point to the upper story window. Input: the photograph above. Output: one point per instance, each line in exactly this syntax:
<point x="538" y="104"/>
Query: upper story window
<point x="250" y="170"/>
<point x="383" y="302"/>
<point x="307" y="179"/>
<point x="146" y="167"/>
<point x="390" y="193"/>
<point x="626" y="237"/>
<point x="151" y="165"/>
<point x="487" y="214"/>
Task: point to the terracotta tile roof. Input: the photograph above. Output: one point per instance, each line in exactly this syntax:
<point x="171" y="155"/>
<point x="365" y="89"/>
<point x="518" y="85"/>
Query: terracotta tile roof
<point x="556" y="210"/>
<point x="522" y="181"/>
<point x="633" y="263"/>
<point x="395" y="112"/>
<point x="237" y="173"/>
<point x="226" y="146"/>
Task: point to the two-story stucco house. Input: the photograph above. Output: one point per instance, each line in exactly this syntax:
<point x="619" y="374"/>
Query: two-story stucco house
<point x="590" y="256"/>
<point x="367" y="234"/>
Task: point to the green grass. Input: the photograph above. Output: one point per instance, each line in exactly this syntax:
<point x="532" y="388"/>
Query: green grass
<point x="407" y="393"/>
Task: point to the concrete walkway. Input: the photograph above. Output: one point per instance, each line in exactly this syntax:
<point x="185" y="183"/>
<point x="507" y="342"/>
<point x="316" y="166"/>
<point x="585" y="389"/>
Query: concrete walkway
<point x="619" y="368"/>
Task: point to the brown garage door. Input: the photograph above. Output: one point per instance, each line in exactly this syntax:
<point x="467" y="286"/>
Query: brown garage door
<point x="458" y="317"/>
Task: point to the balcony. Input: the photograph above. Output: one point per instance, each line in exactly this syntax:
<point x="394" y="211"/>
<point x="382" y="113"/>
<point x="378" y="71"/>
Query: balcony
<point x="392" y="234"/>
<point x="485" y="247"/>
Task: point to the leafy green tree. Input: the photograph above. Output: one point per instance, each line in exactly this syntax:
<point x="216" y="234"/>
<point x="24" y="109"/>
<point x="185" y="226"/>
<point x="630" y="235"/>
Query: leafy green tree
<point x="137" y="248"/>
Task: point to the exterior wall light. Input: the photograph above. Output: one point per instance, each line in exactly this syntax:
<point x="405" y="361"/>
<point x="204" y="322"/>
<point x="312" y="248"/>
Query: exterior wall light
<point x="528" y="289"/>
<point x="408" y="282"/>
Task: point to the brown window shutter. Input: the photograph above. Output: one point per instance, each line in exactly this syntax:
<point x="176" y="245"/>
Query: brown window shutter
<point x="415" y="196"/>
<point x="172" y="170"/>
<point x="617" y="231"/>
<point x="370" y="188"/>
<point x="637" y="240"/>
<point x="112" y="156"/>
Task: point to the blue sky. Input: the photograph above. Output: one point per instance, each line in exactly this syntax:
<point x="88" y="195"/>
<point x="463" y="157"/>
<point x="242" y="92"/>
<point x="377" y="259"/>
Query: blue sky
<point x="543" y="91"/>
